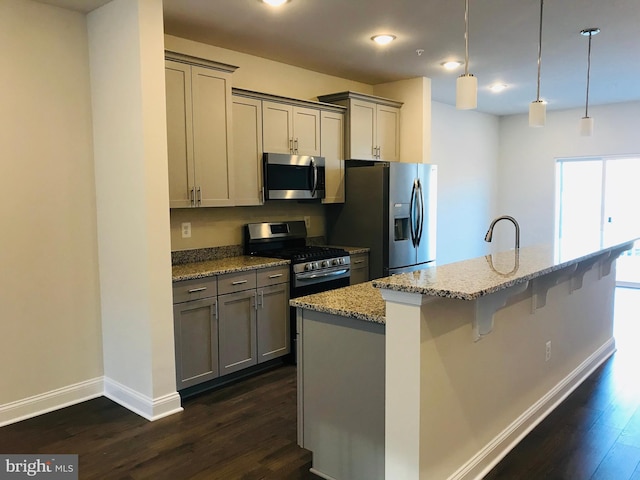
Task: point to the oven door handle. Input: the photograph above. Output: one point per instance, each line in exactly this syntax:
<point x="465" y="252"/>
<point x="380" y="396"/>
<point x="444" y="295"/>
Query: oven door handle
<point x="312" y="276"/>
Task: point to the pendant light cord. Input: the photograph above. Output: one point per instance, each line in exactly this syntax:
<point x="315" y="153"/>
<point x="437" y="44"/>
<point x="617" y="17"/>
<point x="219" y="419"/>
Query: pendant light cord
<point x="586" y="108"/>
<point x="539" y="50"/>
<point x="466" y="38"/>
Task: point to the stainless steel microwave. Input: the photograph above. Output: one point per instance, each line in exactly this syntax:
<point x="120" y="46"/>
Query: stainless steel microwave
<point x="293" y="177"/>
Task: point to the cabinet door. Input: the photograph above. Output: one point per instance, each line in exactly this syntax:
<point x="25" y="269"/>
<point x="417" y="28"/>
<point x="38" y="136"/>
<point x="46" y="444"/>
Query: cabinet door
<point x="179" y="134"/>
<point x="306" y="131"/>
<point x="359" y="268"/>
<point x="196" y="342"/>
<point x="273" y="322"/>
<point x="237" y="330"/>
<point x="247" y="150"/>
<point x="332" y="142"/>
<point x="363" y="130"/>
<point x="211" y="94"/>
<point x="388" y="133"/>
<point x="277" y="127"/>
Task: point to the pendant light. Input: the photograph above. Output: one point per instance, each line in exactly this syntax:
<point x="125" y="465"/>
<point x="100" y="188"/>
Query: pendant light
<point x="538" y="108"/>
<point x="467" y="84"/>
<point x="586" y="123"/>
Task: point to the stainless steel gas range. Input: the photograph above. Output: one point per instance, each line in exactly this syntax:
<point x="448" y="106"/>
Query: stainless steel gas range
<point x="314" y="269"/>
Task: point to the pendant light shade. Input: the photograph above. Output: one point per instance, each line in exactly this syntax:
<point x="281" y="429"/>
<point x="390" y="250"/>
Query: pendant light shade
<point x="467" y="84"/>
<point x="466" y="92"/>
<point x="537" y="113"/>
<point x="586" y="123"/>
<point x="538" y="108"/>
<point x="586" y="126"/>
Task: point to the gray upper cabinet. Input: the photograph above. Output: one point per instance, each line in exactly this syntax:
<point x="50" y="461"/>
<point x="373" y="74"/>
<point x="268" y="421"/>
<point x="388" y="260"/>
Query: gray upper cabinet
<point x="198" y="97"/>
<point x="372" y="126"/>
<point x="290" y="129"/>
<point x="247" y="150"/>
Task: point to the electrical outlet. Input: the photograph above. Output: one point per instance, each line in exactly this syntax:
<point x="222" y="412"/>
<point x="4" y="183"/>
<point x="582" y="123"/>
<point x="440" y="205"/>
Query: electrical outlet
<point x="547" y="351"/>
<point x="307" y="222"/>
<point x="186" y="230"/>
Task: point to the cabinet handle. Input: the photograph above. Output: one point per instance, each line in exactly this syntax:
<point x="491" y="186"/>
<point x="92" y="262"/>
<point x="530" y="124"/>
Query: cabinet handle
<point x="291" y="145"/>
<point x="199" y="196"/>
<point x="358" y="261"/>
<point x="200" y="289"/>
<point x="277" y="275"/>
<point x="239" y="282"/>
<point x="295" y="145"/>
<point x="192" y="196"/>
<point x="261" y="298"/>
<point x="215" y="309"/>
<point x="255" y="300"/>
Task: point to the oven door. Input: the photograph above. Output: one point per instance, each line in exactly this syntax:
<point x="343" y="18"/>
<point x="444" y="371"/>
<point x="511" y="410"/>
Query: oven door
<point x="293" y="177"/>
<point x="307" y="283"/>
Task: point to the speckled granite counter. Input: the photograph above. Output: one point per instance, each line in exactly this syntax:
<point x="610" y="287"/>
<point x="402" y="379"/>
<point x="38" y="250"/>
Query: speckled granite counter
<point x="471" y="279"/>
<point x="361" y="301"/>
<point x="190" y="271"/>
<point x="352" y="250"/>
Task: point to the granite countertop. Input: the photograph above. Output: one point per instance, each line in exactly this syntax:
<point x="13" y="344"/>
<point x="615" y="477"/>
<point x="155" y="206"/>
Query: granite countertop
<point x="190" y="271"/>
<point x="471" y="279"/>
<point x="361" y="301"/>
<point x="352" y="250"/>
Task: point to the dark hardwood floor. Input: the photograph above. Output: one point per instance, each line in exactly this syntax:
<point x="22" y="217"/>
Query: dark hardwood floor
<point x="248" y="430"/>
<point x="595" y="433"/>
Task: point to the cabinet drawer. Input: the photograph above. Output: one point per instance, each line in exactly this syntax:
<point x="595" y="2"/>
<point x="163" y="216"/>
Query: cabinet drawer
<point x="273" y="276"/>
<point x="236" y="282"/>
<point x="359" y="260"/>
<point x="194" y="289"/>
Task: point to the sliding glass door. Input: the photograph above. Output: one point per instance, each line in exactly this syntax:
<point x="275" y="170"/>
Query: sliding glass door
<point x="597" y="200"/>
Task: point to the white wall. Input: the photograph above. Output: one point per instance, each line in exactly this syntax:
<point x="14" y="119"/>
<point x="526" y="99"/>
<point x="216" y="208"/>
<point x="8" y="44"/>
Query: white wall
<point x="464" y="145"/>
<point x="49" y="296"/>
<point x="526" y="175"/>
<point x="126" y="44"/>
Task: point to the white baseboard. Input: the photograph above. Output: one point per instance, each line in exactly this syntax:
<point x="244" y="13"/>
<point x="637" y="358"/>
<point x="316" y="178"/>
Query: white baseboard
<point x="151" y="409"/>
<point x="489" y="456"/>
<point x="147" y="407"/>
<point x="53" y="400"/>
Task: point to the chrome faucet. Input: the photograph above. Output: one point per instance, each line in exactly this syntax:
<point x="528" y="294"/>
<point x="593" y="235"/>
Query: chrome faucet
<point x="489" y="235"/>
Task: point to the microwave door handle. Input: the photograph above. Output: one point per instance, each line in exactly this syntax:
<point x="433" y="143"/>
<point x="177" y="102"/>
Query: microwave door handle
<point x="314" y="172"/>
<point x="413" y="196"/>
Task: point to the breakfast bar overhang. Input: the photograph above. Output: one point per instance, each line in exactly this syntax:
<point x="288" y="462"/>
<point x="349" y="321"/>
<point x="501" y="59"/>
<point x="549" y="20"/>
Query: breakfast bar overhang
<point x="454" y="365"/>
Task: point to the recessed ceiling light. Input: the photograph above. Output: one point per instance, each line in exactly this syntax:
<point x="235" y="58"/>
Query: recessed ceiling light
<point x="383" y="39"/>
<point x="498" y="87"/>
<point x="275" y="3"/>
<point x="451" y="65"/>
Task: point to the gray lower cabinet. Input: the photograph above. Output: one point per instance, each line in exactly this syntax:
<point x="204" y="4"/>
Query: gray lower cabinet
<point x="359" y="268"/>
<point x="229" y="322"/>
<point x="273" y="322"/>
<point x="237" y="330"/>
<point x="195" y="332"/>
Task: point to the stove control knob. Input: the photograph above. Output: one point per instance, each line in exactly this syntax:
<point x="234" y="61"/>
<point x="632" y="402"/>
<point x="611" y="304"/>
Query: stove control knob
<point x="315" y="265"/>
<point x="324" y="264"/>
<point x="308" y="266"/>
<point x="336" y="261"/>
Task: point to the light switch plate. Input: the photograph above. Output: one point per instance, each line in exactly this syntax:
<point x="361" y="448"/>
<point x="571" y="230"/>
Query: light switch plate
<point x="186" y="229"/>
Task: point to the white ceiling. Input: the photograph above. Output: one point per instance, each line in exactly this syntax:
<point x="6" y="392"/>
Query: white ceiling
<point x="333" y="36"/>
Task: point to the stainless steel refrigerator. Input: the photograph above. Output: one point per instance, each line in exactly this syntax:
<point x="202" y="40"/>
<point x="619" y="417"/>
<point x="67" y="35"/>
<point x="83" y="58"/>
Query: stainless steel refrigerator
<point x="390" y="208"/>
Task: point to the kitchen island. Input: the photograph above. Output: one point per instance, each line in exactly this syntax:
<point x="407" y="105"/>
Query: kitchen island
<point x="464" y="360"/>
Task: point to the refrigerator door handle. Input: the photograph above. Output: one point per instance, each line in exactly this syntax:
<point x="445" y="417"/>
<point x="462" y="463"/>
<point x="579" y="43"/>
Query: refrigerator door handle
<point x="421" y="220"/>
<point x="413" y="230"/>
